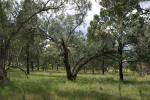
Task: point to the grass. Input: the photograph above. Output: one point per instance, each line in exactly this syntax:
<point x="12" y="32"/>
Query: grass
<point x="54" y="86"/>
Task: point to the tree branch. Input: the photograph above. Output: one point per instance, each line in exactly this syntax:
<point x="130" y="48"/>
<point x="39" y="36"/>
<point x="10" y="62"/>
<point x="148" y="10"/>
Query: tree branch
<point x="27" y="20"/>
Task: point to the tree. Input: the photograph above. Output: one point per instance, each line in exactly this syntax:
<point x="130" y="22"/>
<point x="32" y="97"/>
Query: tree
<point x="141" y="34"/>
<point x="116" y="17"/>
<point x="97" y="33"/>
<point x="3" y="35"/>
<point x="8" y="35"/>
<point x="27" y="32"/>
<point x="73" y="47"/>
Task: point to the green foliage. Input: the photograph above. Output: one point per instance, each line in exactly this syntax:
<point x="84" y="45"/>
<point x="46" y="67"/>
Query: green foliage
<point x="120" y="28"/>
<point x="30" y="28"/>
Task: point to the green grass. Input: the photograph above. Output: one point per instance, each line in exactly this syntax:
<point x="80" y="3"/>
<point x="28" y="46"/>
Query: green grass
<point x="54" y="86"/>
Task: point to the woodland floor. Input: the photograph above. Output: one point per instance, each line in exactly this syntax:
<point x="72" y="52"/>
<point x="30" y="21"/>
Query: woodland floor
<point x="53" y="85"/>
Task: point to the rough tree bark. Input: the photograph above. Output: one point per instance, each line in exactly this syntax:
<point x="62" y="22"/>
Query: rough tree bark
<point x="66" y="61"/>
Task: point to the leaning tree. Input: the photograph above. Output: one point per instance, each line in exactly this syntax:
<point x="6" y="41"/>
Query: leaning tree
<point x="72" y="45"/>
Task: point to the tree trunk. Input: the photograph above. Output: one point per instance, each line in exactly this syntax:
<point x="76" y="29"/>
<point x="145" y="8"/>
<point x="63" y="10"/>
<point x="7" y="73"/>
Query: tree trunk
<point x="52" y="66"/>
<point x="38" y="64"/>
<point x="57" y="67"/>
<point x="120" y="71"/>
<point x="3" y="72"/>
<point x="3" y="75"/>
<point x="81" y="65"/>
<point x="28" y="59"/>
<point x="32" y="66"/>
<point x="120" y="50"/>
<point x="103" y="67"/>
<point x="66" y="61"/>
<point x="68" y="69"/>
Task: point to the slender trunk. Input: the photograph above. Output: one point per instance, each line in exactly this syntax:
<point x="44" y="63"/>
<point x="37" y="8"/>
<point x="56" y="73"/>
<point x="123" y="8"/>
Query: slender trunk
<point x="103" y="67"/>
<point x="27" y="59"/>
<point x="120" y="71"/>
<point x="32" y="66"/>
<point x="38" y="64"/>
<point x="57" y="67"/>
<point x="52" y="66"/>
<point x="38" y="60"/>
<point x="120" y="50"/>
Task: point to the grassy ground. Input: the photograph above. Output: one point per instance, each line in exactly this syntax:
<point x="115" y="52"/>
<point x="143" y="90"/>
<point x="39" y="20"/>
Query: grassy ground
<point x="54" y="86"/>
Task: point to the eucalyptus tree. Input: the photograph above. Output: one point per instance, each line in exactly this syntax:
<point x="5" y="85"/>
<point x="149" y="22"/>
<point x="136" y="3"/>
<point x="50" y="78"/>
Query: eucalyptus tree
<point x="72" y="45"/>
<point x="118" y="16"/>
<point x="3" y="29"/>
<point x="9" y="16"/>
<point x="142" y="38"/>
<point x="27" y="32"/>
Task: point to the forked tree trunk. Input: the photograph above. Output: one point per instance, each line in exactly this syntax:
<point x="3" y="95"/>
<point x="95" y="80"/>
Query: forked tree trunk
<point x="66" y="61"/>
<point x="72" y="74"/>
<point x="68" y="68"/>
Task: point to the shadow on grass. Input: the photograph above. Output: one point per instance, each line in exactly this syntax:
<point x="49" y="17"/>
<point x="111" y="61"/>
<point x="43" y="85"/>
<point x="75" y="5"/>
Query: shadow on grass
<point x="88" y="95"/>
